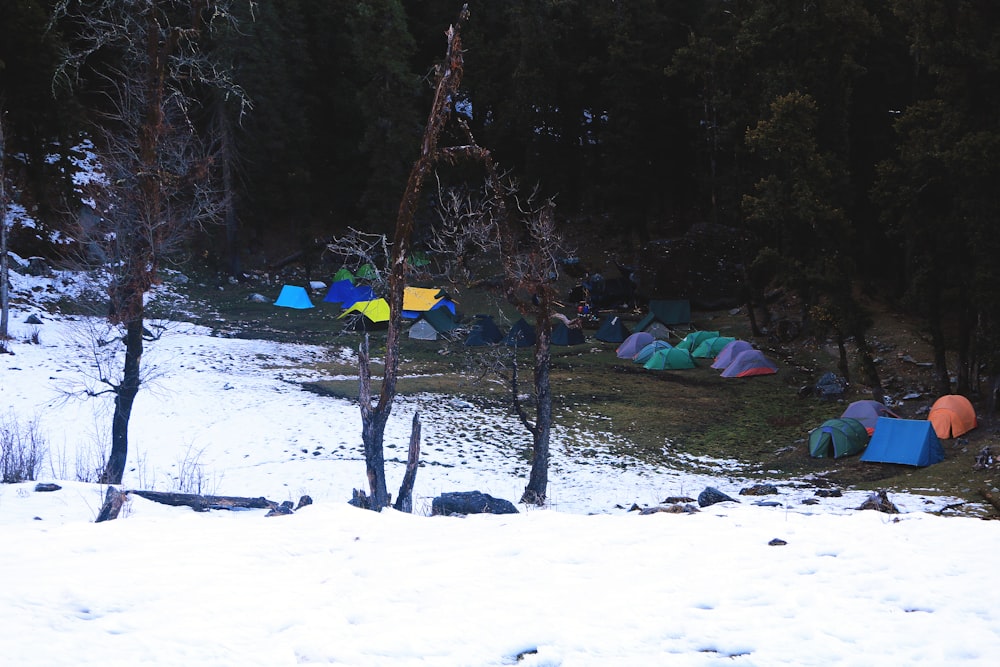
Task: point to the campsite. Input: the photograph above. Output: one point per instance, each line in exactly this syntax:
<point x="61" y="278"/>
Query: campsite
<point x="672" y="418"/>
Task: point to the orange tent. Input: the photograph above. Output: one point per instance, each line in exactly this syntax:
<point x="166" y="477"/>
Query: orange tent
<point x="952" y="416"/>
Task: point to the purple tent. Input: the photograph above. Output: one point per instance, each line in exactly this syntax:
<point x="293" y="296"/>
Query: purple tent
<point x="749" y="363"/>
<point x="730" y="352"/>
<point x="868" y="412"/>
<point x="631" y="345"/>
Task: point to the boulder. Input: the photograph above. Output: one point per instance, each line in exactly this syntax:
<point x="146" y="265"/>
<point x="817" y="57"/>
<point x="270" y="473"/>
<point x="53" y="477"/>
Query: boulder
<point x="711" y="496"/>
<point x="470" y="502"/>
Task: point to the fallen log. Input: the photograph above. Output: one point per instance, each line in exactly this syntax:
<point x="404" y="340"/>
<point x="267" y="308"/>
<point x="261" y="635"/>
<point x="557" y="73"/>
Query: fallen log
<point x="114" y="500"/>
<point x="204" y="503"/>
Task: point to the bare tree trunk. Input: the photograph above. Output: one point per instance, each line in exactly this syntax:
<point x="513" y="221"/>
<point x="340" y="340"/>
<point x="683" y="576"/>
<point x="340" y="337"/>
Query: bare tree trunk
<point x="538" y="480"/>
<point x="125" y="394"/>
<point x="374" y="418"/>
<point x="4" y="269"/>
<point x="404" y="500"/>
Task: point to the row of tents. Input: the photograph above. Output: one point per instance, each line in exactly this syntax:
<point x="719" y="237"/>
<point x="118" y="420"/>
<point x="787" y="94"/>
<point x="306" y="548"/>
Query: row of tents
<point x="881" y="436"/>
<point x="734" y="357"/>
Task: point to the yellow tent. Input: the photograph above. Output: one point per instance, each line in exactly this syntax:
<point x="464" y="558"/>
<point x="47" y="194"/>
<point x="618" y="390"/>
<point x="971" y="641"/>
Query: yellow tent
<point x="420" y="299"/>
<point x="376" y="310"/>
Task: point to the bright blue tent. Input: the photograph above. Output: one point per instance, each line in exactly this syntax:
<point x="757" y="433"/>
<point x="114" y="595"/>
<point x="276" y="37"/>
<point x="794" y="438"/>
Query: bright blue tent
<point x="908" y="441"/>
<point x="357" y="293"/>
<point x="340" y="291"/>
<point x="293" y="296"/>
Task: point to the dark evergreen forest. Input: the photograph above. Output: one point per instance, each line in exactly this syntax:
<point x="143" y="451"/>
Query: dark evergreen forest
<point x="849" y="146"/>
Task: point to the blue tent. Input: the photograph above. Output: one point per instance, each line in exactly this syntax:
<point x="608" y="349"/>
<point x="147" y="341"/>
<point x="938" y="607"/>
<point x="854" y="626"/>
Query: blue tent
<point x="293" y="296"/>
<point x="908" y="441"/>
<point x="357" y="293"/>
<point x="340" y="291"/>
<point x="647" y="352"/>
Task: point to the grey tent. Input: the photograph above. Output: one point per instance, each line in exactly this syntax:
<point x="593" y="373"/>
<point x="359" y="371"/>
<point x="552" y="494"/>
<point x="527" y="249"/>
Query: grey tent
<point x="423" y="330"/>
<point x="612" y="330"/>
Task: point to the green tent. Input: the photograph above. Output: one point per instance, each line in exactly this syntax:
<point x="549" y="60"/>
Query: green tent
<point x="366" y="271"/>
<point x="838" y="437"/>
<point x="343" y="274"/>
<point x="710" y="347"/>
<point x="696" y="338"/>
<point x="670" y="359"/>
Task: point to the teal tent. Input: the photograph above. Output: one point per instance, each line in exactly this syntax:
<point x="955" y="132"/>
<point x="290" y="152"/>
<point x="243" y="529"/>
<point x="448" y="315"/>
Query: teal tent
<point x="293" y="296"/>
<point x="671" y="359"/>
<point x="907" y="441"/>
<point x="612" y="330"/>
<point x="564" y="335"/>
<point x="711" y="347"/>
<point x="696" y="338"/>
<point x="838" y="437"/>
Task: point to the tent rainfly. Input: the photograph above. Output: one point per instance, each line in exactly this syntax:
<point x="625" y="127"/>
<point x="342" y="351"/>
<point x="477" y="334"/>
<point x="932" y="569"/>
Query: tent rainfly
<point x="838" y="437"/>
<point x="729" y="352"/>
<point x="696" y="338"/>
<point x="293" y="296"/>
<point x="484" y="332"/>
<point x="564" y="335"/>
<point x="376" y="310"/>
<point x="670" y="359"/>
<point x="631" y="345"/>
<point x="340" y="291"/>
<point x="521" y="334"/>
<point x="907" y="441"/>
<point x="612" y="330"/>
<point x="418" y="300"/>
<point x="748" y="364"/>
<point x="343" y="273"/>
<point x="710" y="347"/>
<point x="867" y="412"/>
<point x="647" y="352"/>
<point x="952" y="415"/>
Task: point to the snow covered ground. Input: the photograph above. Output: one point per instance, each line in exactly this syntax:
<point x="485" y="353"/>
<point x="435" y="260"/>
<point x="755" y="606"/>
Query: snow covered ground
<point x="582" y="582"/>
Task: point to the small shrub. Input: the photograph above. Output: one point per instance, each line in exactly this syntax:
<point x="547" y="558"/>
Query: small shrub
<point x="22" y="451"/>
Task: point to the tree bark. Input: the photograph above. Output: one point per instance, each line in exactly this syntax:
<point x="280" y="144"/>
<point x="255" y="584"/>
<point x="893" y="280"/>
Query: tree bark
<point x="404" y="501"/>
<point x="538" y="480"/>
<point x="374" y="418"/>
<point x="4" y="269"/>
<point x="125" y="394"/>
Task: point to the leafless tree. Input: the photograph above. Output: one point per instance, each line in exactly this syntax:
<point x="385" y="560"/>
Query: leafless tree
<point x="4" y="269"/>
<point x="146" y="60"/>
<point x="502" y="227"/>
<point x="375" y="413"/>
